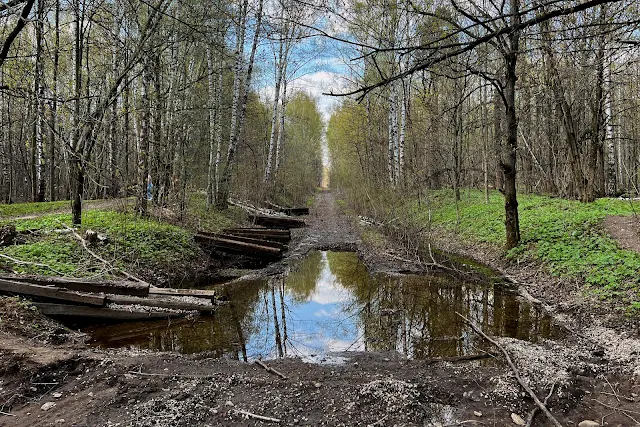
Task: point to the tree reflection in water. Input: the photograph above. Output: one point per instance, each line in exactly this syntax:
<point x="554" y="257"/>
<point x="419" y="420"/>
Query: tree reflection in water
<point x="330" y="303"/>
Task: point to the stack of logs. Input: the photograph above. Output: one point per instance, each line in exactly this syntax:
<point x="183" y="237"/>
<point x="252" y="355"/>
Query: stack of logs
<point x="256" y="242"/>
<point x="112" y="300"/>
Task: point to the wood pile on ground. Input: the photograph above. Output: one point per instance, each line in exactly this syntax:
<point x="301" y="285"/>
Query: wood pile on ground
<point x="288" y="210"/>
<point x="107" y="299"/>
<point x="282" y="222"/>
<point x="263" y="243"/>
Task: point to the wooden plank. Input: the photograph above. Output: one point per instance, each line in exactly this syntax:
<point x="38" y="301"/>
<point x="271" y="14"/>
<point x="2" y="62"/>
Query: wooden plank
<point x="159" y="302"/>
<point x="239" y="247"/>
<point x="51" y="292"/>
<point x="276" y="221"/>
<point x="245" y="239"/>
<point x="281" y="238"/>
<point x="84" y="285"/>
<point x="196" y="293"/>
<point x="258" y="230"/>
<point x="288" y="210"/>
<point x="49" y="309"/>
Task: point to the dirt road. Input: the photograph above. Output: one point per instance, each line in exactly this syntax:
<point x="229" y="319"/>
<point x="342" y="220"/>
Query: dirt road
<point x="50" y="378"/>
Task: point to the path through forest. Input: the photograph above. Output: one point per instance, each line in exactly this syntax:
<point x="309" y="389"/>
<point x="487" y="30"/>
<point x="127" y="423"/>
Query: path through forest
<point x="82" y="386"/>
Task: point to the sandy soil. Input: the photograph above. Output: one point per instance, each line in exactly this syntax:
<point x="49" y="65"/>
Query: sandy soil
<point x="48" y="377"/>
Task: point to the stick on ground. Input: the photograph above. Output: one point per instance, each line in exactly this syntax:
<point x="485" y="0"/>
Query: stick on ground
<point x="273" y="371"/>
<point x="258" y="417"/>
<point x="524" y="385"/>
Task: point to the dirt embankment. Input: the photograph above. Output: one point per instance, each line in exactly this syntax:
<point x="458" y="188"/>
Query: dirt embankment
<point x="48" y="377"/>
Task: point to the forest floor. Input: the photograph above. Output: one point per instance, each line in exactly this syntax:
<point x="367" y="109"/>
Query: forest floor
<point x="48" y="376"/>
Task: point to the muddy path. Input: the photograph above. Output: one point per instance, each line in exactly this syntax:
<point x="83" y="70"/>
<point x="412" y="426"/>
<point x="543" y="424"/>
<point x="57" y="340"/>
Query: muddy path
<point x="48" y="377"/>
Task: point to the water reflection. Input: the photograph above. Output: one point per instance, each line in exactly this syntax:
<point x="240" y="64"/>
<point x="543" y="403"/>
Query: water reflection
<point x="331" y="304"/>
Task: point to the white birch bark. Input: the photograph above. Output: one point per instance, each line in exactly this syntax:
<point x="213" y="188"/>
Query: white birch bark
<point x="212" y="132"/>
<point x="240" y="105"/>
<point x="275" y="112"/>
<point x="609" y="137"/>
<point x="281" y="130"/>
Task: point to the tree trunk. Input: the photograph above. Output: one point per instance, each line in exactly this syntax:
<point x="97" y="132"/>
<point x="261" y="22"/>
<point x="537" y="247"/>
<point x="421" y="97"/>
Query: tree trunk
<point x="238" y="111"/>
<point x="512" y="221"/>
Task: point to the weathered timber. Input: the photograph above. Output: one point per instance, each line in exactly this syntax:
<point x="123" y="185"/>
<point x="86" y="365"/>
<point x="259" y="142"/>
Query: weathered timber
<point x="258" y="230"/>
<point x="84" y="285"/>
<point x="196" y="293"/>
<point x="51" y="292"/>
<point x="235" y="246"/>
<point x="49" y="309"/>
<point x="271" y="234"/>
<point x="288" y="210"/>
<point x="276" y="221"/>
<point x="152" y="301"/>
<point x="245" y="239"/>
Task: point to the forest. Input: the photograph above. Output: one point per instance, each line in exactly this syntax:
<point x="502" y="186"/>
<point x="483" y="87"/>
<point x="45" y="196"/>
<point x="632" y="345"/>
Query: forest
<point x="99" y="99"/>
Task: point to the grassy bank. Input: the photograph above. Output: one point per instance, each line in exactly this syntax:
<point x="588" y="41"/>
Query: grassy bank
<point x="135" y="244"/>
<point x="567" y="237"/>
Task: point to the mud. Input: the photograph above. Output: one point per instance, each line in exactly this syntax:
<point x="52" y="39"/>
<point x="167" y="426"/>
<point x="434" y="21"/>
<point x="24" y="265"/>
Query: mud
<point x="593" y="369"/>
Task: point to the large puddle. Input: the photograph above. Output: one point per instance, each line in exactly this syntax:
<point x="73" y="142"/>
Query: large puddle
<point x="331" y="304"/>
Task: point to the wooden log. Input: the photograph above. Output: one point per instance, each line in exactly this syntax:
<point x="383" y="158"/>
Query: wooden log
<point x="84" y="285"/>
<point x="235" y="246"/>
<point x="276" y="221"/>
<point x="288" y="210"/>
<point x="49" y="309"/>
<point x="151" y="301"/>
<point x="260" y="242"/>
<point x="258" y="230"/>
<point x="52" y="292"/>
<point x="271" y="237"/>
<point x="196" y="293"/>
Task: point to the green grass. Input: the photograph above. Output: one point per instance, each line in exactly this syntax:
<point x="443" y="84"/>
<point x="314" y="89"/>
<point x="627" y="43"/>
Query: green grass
<point x="566" y="236"/>
<point x="133" y="242"/>
<point x="20" y="209"/>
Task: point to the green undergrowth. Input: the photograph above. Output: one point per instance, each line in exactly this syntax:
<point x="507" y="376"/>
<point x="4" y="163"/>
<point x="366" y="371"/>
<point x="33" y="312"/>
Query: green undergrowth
<point x="22" y="209"/>
<point x="200" y="218"/>
<point x="133" y="243"/>
<point x="566" y="236"/>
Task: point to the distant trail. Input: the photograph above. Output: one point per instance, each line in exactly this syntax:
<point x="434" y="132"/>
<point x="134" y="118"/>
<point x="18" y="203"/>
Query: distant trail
<point x="327" y="229"/>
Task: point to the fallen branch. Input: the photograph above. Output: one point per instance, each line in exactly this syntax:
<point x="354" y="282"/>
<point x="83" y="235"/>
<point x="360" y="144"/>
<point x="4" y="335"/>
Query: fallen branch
<point x="273" y="371"/>
<point x="37" y="264"/>
<point x="524" y="385"/>
<point x="7" y="414"/>
<point x="191" y="377"/>
<point x="99" y="258"/>
<point x="466" y="358"/>
<point x="258" y="417"/>
<point x="534" y="411"/>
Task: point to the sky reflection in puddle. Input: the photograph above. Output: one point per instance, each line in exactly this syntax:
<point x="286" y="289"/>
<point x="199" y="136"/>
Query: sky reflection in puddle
<point x="331" y="304"/>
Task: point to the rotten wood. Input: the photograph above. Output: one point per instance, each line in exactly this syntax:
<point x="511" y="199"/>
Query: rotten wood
<point x="52" y="292"/>
<point x="270" y="235"/>
<point x="288" y="210"/>
<point x="151" y="301"/>
<point x="50" y="309"/>
<point x="84" y="285"/>
<point x="235" y="246"/>
<point x="276" y="221"/>
<point x="524" y="385"/>
<point x="196" y="293"/>
<point x="270" y="369"/>
<point x="245" y="239"/>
